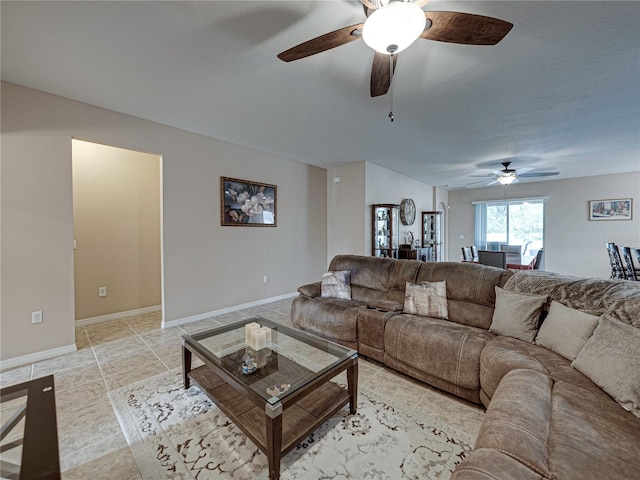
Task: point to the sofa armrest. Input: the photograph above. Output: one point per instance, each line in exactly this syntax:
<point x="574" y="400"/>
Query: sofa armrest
<point x="311" y="290"/>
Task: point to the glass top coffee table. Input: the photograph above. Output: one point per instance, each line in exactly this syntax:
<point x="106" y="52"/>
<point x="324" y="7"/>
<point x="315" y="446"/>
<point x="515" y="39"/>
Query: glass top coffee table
<point x="286" y="397"/>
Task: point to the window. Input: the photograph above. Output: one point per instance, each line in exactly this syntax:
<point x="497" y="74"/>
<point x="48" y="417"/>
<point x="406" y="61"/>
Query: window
<point x="510" y="222"/>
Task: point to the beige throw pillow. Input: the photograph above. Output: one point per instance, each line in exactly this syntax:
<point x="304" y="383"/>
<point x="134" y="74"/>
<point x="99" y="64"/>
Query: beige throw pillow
<point x="428" y="299"/>
<point x="336" y="284"/>
<point x="516" y="314"/>
<point x="565" y="330"/>
<point x="611" y="360"/>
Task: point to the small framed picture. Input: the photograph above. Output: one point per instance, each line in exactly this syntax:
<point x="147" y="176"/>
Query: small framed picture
<point x="614" y="209"/>
<point x="248" y="204"/>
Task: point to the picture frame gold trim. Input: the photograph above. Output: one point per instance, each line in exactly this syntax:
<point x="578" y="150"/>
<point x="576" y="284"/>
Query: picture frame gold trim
<point x="611" y="209"/>
<point x="245" y="203"/>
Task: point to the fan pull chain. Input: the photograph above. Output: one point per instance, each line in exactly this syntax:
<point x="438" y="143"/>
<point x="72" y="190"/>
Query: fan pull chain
<point x="391" y="87"/>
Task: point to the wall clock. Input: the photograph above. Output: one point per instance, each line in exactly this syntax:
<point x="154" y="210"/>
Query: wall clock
<point x="407" y="211"/>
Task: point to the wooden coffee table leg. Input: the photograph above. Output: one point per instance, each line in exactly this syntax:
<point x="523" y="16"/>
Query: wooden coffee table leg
<point x="274" y="445"/>
<point x="352" y="382"/>
<point x="186" y="366"/>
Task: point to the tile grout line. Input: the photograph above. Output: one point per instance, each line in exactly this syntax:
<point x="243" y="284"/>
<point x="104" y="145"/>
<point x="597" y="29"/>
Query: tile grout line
<point x="147" y="345"/>
<point x="95" y="355"/>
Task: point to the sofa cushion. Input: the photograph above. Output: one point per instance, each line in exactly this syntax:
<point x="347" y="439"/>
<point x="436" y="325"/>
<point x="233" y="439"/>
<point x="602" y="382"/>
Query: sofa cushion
<point x="566" y="330"/>
<point x="403" y="271"/>
<point x="591" y="437"/>
<point x="428" y="299"/>
<point x="504" y="354"/>
<point x="518" y="419"/>
<point x="611" y="358"/>
<point x="337" y="284"/>
<point x="559" y="430"/>
<point x="331" y="318"/>
<point x="432" y="349"/>
<point x="517" y="314"/>
<point x="367" y="273"/>
<point x="470" y="289"/>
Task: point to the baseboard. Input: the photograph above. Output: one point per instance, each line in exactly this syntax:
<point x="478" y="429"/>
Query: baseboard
<point x="37" y="357"/>
<point x="116" y="316"/>
<point x="222" y="311"/>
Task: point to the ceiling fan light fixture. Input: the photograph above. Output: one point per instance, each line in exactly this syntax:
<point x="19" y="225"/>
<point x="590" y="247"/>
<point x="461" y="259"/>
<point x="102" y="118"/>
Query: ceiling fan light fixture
<point x="507" y="178"/>
<point x="394" y="27"/>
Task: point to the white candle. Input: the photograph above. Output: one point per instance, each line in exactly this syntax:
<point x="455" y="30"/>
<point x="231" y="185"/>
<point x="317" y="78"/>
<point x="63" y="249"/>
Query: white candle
<point x="259" y="339"/>
<point x="267" y="332"/>
<point x="249" y="331"/>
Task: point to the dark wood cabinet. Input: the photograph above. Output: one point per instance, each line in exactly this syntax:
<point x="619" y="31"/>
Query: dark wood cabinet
<point x="385" y="230"/>
<point x="432" y="234"/>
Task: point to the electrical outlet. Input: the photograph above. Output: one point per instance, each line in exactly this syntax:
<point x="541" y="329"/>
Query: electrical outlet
<point x="265" y="279"/>
<point x="102" y="291"/>
<point x="36" y="317"/>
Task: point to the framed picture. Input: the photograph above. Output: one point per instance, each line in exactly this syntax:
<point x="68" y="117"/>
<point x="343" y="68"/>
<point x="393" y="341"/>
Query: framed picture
<point x="248" y="204"/>
<point x="615" y="209"/>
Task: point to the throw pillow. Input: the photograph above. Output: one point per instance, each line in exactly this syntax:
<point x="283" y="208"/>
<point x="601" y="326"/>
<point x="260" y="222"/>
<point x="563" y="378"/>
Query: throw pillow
<point x="611" y="360"/>
<point x="565" y="330"/>
<point x="336" y="284"/>
<point x="516" y="314"/>
<point x="428" y="299"/>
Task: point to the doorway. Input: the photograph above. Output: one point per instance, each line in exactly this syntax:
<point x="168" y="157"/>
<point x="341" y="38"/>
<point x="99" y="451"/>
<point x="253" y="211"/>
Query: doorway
<point x="117" y="232"/>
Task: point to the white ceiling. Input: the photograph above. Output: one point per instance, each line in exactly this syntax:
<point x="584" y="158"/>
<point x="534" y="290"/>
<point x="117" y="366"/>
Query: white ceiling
<point x="561" y="91"/>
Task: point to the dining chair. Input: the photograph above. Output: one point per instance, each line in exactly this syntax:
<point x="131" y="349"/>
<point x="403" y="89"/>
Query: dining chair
<point x="537" y="261"/>
<point x="630" y="271"/>
<point x="493" y="258"/>
<point x="466" y="254"/>
<point x="474" y="253"/>
<point x="616" y="262"/>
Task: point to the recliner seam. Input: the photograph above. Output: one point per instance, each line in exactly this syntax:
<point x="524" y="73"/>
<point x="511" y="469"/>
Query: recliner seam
<point x="458" y="362"/>
<point x="518" y="427"/>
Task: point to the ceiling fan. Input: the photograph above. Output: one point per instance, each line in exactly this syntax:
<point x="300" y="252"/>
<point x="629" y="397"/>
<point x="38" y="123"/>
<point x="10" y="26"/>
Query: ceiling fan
<point x="507" y="175"/>
<point x="393" y="25"/>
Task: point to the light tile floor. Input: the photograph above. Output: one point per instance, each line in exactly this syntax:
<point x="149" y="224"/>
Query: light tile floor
<point x="117" y="353"/>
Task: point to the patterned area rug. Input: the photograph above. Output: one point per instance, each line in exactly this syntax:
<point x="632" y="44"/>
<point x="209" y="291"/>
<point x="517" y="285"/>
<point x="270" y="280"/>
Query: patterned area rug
<point x="180" y="434"/>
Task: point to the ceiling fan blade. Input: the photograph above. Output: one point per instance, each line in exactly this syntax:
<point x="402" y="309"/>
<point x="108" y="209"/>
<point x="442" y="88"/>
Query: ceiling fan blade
<point x="380" y="74"/>
<point x="455" y="27"/>
<point x="538" y="174"/>
<point x="321" y="43"/>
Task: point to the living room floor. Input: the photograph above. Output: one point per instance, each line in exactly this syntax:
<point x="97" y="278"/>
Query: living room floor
<point x="117" y="353"/>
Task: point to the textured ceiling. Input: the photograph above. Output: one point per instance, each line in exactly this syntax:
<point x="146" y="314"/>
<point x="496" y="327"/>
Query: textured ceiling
<point x="560" y="92"/>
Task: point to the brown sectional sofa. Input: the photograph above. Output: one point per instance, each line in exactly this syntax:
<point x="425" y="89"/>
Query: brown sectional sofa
<point x="545" y="419"/>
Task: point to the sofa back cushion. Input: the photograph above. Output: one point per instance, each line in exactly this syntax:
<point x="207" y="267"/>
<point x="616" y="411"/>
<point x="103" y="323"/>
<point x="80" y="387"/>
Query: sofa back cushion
<point x="471" y="292"/>
<point x="370" y="276"/>
<point x="620" y="299"/>
<point x="377" y="281"/>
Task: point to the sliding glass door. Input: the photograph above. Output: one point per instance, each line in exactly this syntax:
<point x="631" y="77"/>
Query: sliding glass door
<point x="511" y="222"/>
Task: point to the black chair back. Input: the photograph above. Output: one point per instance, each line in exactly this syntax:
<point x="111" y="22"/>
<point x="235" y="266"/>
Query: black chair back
<point x="537" y="264"/>
<point x="615" y="261"/>
<point x="629" y="269"/>
<point x="492" y="258"/>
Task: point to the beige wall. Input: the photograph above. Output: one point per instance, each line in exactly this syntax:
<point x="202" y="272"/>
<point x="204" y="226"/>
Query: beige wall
<point x="349" y="201"/>
<point x="206" y="267"/>
<point x="116" y="225"/>
<point x="345" y="206"/>
<point x="386" y="186"/>
<point x="573" y="244"/>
